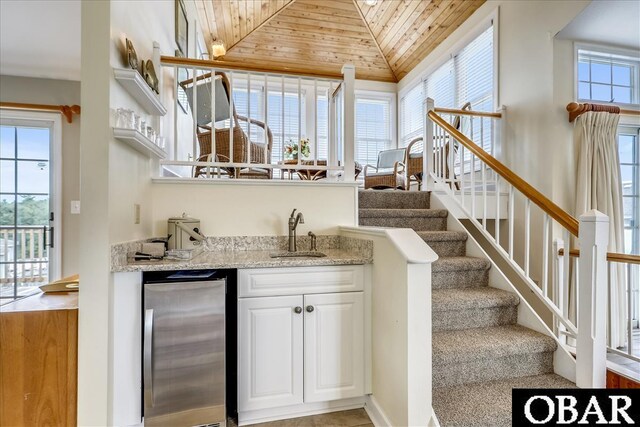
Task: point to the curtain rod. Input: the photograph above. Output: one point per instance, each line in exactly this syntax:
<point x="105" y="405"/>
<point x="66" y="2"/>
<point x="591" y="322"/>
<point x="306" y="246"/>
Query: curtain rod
<point x="67" y="110"/>
<point x="575" y="109"/>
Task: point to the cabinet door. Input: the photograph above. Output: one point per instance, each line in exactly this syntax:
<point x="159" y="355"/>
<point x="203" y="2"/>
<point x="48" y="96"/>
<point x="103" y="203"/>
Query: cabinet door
<point x="333" y="346"/>
<point x="270" y="345"/>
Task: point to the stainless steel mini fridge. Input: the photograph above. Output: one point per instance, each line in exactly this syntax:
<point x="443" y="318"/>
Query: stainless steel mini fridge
<point x="183" y="345"/>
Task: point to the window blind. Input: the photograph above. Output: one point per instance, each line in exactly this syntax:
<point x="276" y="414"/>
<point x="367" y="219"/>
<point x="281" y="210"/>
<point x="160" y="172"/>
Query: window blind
<point x="466" y="77"/>
<point x="373" y="129"/>
<point x="440" y="85"/>
<point x="412" y="108"/>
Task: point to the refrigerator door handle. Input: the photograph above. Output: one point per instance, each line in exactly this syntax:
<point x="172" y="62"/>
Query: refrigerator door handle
<point x="148" y="357"/>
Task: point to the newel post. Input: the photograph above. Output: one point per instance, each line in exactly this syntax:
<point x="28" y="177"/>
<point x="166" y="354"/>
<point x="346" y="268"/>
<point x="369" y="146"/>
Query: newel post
<point x="427" y="146"/>
<point x="591" y="348"/>
<point x="349" y="111"/>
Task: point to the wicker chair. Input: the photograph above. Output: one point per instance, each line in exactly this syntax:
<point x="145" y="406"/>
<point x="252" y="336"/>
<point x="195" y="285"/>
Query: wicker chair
<point x="389" y="171"/>
<point x="413" y="159"/>
<point x="244" y="150"/>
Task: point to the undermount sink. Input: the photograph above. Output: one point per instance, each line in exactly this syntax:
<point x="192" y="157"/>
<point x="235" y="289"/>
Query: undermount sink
<point x="298" y="254"/>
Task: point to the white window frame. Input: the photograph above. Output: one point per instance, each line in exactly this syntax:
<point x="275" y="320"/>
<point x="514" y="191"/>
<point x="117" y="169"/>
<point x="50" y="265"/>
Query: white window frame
<point x="53" y="121"/>
<point x="635" y="83"/>
<point x="390" y="99"/>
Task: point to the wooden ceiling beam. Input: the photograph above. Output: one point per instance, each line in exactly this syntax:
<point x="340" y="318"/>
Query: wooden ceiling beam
<point x="375" y="41"/>
<point x="263" y="23"/>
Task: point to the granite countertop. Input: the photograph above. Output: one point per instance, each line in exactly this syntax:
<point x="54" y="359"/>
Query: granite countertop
<point x="249" y="252"/>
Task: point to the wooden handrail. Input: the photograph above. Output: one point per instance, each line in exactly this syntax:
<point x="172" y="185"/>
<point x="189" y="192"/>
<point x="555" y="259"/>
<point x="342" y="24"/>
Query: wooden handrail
<point x="611" y="256"/>
<point x="553" y="210"/>
<point x="67" y="110"/>
<point x="575" y="109"/>
<point x="467" y="112"/>
<point x="220" y="64"/>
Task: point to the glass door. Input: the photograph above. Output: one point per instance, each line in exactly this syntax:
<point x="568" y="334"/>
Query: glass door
<point x="25" y="209"/>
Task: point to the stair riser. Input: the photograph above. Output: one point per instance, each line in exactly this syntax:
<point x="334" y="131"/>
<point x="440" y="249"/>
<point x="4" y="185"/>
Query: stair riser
<point x="514" y="366"/>
<point x="459" y="279"/>
<point x="476" y="318"/>
<point x="448" y="248"/>
<point x="393" y="200"/>
<point x="422" y="224"/>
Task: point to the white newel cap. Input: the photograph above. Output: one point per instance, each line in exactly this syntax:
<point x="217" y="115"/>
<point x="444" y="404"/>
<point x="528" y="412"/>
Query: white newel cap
<point x="594" y="216"/>
<point x="347" y="67"/>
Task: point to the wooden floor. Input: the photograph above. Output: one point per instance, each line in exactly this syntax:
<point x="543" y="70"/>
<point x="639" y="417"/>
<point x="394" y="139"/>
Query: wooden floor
<point x="352" y="418"/>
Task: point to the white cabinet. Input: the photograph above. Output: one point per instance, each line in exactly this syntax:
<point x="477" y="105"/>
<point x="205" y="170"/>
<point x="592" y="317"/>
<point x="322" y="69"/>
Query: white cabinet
<point x="271" y="351"/>
<point x="301" y="348"/>
<point x="333" y="346"/>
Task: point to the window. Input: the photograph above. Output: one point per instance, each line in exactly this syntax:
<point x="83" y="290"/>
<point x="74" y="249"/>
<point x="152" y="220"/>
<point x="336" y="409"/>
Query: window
<point x="411" y="112"/>
<point x="467" y="77"/>
<point x="629" y="153"/>
<point x="608" y="77"/>
<point x="373" y="128"/>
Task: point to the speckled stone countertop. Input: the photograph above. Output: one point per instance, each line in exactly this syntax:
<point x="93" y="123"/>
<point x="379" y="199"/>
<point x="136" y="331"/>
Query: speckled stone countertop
<point x="249" y="252"/>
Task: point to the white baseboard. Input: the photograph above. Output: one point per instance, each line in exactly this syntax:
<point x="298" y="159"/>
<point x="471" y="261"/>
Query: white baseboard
<point x="375" y="412"/>
<point x="295" y="411"/>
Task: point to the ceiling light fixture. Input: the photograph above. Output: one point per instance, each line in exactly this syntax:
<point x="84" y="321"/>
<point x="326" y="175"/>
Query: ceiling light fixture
<point x="217" y="48"/>
<point x="370" y="2"/>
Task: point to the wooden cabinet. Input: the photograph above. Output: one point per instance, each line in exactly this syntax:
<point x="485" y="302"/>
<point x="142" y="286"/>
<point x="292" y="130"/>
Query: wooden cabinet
<point x="38" y="361"/>
<point x="299" y="348"/>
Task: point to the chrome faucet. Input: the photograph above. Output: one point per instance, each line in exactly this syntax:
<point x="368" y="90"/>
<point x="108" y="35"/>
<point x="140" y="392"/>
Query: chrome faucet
<point x="313" y="247"/>
<point x="293" y="224"/>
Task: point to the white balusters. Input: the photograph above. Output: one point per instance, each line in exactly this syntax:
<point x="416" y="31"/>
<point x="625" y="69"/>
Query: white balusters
<point x="527" y="235"/>
<point x="511" y="219"/>
<point x="545" y="256"/>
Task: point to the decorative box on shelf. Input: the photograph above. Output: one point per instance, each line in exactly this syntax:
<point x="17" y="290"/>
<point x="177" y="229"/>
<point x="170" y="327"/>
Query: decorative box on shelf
<point x="133" y="82"/>
<point x="138" y="142"/>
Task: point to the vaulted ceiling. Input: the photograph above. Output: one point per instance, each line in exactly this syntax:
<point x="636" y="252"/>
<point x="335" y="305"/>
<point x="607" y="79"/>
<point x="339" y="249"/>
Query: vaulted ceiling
<point x="384" y="41"/>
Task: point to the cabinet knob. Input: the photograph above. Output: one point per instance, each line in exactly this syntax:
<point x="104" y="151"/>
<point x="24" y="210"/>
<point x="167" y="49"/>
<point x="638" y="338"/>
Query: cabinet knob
<point x="298" y="310"/>
<point x="309" y="308"/>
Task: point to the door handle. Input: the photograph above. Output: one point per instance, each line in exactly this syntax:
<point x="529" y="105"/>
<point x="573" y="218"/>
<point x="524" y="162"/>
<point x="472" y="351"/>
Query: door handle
<point x="148" y="357"/>
<point x="46" y="242"/>
<point x="298" y="310"/>
<point x="310" y="309"/>
<point x="51" y="238"/>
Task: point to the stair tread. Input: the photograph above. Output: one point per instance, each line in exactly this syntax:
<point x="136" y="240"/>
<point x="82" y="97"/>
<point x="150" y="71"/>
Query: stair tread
<point x="471" y="298"/>
<point x="402" y="213"/>
<point x="460" y="263"/>
<point x="486" y="403"/>
<point x="442" y="236"/>
<point x="459" y="346"/>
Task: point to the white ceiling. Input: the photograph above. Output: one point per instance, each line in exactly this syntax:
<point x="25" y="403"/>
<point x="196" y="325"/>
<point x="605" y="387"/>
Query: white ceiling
<point x="609" y="22"/>
<point x="40" y="38"/>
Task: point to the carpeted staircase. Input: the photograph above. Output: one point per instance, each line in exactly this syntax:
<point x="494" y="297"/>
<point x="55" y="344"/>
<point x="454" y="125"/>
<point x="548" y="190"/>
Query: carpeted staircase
<point x="479" y="352"/>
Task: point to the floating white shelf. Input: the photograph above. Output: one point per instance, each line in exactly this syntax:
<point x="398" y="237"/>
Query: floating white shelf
<point x="138" y="142"/>
<point x="133" y="82"/>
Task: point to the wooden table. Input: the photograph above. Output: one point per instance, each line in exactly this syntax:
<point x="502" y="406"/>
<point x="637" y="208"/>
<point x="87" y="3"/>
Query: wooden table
<point x="310" y="174"/>
<point x="38" y="360"/>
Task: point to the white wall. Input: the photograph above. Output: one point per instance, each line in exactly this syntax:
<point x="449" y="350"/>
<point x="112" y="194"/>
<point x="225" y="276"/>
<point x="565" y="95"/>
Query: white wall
<point x="260" y="209"/>
<point x="56" y="92"/>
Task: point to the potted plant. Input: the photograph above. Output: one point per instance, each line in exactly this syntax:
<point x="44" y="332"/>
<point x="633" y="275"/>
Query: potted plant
<point x="292" y="149"/>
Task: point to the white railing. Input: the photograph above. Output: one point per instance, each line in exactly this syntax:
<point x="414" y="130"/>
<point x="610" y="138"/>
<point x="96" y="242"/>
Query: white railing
<point x="23" y="258"/>
<point x="621" y="268"/>
<point x="486" y="190"/>
<point x="258" y="124"/>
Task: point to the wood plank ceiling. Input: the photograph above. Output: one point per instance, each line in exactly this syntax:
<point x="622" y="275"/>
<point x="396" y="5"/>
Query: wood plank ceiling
<point x="384" y="41"/>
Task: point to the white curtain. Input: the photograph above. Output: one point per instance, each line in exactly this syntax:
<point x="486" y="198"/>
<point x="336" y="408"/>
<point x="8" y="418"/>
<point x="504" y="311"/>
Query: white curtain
<point x="599" y="187"/>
